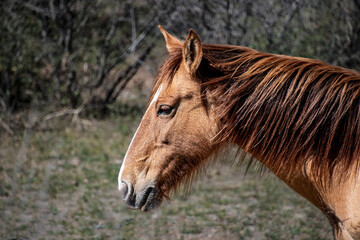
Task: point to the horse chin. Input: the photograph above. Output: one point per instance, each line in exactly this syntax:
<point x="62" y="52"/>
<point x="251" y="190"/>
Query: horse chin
<point x="150" y="205"/>
<point x="148" y="200"/>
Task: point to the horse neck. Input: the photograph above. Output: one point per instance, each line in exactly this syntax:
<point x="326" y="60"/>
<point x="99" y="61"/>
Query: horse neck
<point x="244" y="128"/>
<point x="257" y="127"/>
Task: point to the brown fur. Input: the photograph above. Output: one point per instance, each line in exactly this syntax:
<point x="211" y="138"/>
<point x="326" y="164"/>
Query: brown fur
<point x="297" y="116"/>
<point x="281" y="107"/>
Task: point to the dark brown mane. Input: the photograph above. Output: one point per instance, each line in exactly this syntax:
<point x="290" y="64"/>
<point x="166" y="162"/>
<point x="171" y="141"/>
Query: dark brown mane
<point x="284" y="110"/>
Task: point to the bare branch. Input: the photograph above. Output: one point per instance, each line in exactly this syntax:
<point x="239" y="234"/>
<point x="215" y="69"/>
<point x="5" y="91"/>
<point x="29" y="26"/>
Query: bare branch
<point x="125" y="77"/>
<point x="6" y="127"/>
<point x="36" y="9"/>
<point x="65" y="111"/>
<point x="133" y="30"/>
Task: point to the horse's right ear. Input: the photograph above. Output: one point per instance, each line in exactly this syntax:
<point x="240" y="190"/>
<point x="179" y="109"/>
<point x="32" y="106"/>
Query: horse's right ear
<point x="192" y="52"/>
<point x="171" y="41"/>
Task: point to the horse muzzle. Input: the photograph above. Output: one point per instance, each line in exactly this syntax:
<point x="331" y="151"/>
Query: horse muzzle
<point x="145" y="199"/>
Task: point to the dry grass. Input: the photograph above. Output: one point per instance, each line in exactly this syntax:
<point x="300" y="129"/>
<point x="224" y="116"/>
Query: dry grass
<point x="63" y="185"/>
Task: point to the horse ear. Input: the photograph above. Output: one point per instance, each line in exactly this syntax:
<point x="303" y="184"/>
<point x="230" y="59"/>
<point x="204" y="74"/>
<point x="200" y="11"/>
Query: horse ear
<point x="171" y="41"/>
<point x="192" y="52"/>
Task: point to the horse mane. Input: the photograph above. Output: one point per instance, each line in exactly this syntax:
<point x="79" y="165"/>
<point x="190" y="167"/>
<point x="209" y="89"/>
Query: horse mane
<point x="283" y="110"/>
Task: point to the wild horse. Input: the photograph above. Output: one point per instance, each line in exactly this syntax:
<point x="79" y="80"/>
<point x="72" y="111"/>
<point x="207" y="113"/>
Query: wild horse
<point x="299" y="117"/>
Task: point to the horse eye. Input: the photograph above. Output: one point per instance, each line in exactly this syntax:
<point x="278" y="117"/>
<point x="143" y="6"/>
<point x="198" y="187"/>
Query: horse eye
<point x="165" y="110"/>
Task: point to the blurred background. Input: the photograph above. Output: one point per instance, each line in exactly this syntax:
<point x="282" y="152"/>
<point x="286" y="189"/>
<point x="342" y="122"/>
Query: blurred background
<point x="75" y="77"/>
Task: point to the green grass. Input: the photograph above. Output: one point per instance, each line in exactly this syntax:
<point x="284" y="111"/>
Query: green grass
<point x="66" y="188"/>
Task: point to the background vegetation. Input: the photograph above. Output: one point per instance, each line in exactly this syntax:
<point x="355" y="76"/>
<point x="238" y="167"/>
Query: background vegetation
<point x="74" y="80"/>
<point x="71" y="53"/>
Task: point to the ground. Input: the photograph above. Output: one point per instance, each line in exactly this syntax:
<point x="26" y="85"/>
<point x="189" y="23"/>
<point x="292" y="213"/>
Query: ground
<point x="62" y="184"/>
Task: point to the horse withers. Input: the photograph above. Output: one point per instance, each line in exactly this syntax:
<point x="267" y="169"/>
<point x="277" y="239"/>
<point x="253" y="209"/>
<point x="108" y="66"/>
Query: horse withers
<point x="299" y="117"/>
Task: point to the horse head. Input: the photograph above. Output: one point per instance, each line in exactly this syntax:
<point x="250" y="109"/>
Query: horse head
<point x="175" y="136"/>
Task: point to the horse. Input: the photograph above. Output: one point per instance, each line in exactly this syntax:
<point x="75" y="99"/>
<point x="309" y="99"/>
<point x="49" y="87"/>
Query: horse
<point x="298" y="117"/>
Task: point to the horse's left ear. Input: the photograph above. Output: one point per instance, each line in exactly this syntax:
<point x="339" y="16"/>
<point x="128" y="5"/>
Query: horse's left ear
<point x="172" y="43"/>
<point x="192" y="52"/>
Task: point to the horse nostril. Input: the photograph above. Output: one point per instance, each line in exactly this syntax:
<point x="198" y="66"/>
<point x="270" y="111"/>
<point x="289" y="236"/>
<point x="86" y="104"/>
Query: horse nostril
<point x="124" y="189"/>
<point x="144" y="199"/>
<point x="127" y="191"/>
<point x="148" y="191"/>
